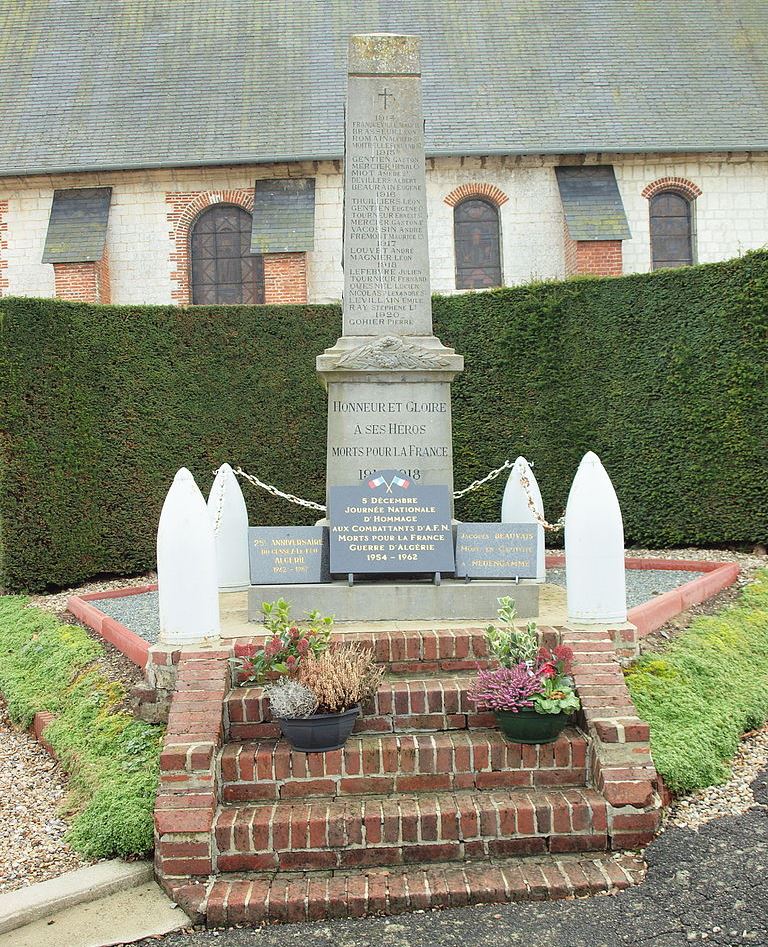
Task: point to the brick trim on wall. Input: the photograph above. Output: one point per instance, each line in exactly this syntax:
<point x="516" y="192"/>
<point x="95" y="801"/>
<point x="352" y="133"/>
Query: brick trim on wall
<point x="681" y="185"/>
<point x="3" y="245"/>
<point x="285" y="274"/>
<point x="83" y="282"/>
<point x="184" y="208"/>
<point x="592" y="257"/>
<point x="488" y="191"/>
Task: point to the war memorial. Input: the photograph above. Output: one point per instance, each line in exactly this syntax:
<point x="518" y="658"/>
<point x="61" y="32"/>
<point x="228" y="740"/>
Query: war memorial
<point x="426" y="804"/>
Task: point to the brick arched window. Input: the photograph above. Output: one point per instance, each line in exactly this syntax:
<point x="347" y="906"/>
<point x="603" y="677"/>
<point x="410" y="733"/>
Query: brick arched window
<point x="671" y="225"/>
<point x="477" y="244"/>
<point x="223" y="269"/>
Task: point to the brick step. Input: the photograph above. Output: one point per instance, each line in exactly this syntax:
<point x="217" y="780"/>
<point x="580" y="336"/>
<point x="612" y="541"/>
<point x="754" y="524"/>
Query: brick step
<point x="415" y="650"/>
<point x="324" y="834"/>
<point x="290" y="898"/>
<point x="402" y="763"/>
<point x="402" y="705"/>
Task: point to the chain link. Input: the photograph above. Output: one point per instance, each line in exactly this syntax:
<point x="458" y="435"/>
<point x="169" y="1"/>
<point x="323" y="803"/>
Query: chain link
<point x="220" y="507"/>
<point x="273" y="491"/>
<point x="475" y="485"/>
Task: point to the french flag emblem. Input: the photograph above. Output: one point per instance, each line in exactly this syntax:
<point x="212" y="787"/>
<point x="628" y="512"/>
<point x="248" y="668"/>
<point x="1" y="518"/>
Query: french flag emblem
<point x="401" y="482"/>
<point x="375" y="483"/>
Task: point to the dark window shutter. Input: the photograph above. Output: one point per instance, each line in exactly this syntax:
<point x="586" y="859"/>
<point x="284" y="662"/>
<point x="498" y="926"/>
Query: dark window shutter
<point x="671" y="234"/>
<point x="476" y="238"/>
<point x="224" y="272"/>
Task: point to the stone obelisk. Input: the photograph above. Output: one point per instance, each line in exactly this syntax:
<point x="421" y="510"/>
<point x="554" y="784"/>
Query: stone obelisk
<point x="387" y="377"/>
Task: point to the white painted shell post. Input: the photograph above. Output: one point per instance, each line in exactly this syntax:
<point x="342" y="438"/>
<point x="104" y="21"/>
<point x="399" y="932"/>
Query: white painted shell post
<point x="186" y="565"/>
<point x="516" y="507"/>
<point x="229" y="518"/>
<point x="594" y="547"/>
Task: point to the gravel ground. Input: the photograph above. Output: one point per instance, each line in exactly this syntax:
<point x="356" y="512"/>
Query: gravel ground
<point x="137" y="612"/>
<point x="732" y="798"/>
<point x="642" y="584"/>
<point x="32" y="787"/>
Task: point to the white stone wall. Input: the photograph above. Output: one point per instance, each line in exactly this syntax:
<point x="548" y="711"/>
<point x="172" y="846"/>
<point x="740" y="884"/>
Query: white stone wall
<point x="731" y="216"/>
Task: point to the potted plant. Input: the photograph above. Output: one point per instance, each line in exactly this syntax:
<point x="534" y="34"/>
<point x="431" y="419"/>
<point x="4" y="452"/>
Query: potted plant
<point x="531" y="692"/>
<point x="317" y="707"/>
<point x="314" y="691"/>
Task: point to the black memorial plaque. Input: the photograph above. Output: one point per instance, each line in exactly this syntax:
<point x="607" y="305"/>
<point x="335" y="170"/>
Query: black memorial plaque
<point x="388" y="523"/>
<point x="496" y="550"/>
<point x="288" y="554"/>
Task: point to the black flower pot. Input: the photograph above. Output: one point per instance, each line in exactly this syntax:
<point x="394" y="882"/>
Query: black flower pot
<point x="528" y="726"/>
<point x="320" y="732"/>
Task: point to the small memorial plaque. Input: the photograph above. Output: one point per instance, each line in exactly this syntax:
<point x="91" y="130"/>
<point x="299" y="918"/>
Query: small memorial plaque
<point x="388" y="523"/>
<point x="496" y="550"/>
<point x="283" y="554"/>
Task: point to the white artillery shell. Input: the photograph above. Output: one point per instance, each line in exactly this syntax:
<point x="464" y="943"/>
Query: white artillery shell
<point x="515" y="507"/>
<point x="229" y="518"/>
<point x="186" y="565"/>
<point x="594" y="547"/>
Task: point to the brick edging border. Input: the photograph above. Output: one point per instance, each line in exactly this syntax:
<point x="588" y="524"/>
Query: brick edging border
<point x="651" y="615"/>
<point x="136" y="649"/>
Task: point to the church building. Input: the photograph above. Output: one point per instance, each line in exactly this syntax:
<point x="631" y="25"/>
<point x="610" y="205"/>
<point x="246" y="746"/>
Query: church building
<point x="191" y="151"/>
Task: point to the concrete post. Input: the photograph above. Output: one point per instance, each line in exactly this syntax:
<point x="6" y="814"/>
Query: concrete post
<point x="594" y="547"/>
<point x="229" y="518"/>
<point x="186" y="566"/>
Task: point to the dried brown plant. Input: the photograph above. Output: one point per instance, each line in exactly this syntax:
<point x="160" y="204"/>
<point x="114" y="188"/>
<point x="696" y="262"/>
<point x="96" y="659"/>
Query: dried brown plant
<point x="341" y="677"/>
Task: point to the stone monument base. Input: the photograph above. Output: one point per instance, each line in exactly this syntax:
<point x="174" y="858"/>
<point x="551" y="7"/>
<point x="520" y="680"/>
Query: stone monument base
<point x="370" y="600"/>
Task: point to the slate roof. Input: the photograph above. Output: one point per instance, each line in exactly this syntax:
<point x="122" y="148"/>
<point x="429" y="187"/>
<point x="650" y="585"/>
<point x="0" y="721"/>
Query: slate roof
<point x="283" y="216"/>
<point x="157" y="83"/>
<point x="591" y="203"/>
<point x="77" y="227"/>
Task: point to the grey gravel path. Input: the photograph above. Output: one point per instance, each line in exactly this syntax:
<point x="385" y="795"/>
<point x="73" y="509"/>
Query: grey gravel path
<point x="703" y="887"/>
<point x="137" y="612"/>
<point x="642" y="584"/>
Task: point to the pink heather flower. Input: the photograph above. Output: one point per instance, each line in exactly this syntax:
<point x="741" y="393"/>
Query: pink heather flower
<point x="303" y="646"/>
<point x="291" y="662"/>
<point x="295" y="633"/>
<point x="505" y="688"/>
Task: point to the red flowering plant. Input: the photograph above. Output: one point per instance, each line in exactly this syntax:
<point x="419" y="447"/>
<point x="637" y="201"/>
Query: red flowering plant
<point x="529" y="676"/>
<point x="289" y="643"/>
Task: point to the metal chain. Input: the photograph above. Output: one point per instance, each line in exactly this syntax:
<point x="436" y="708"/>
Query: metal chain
<point x="220" y="507"/>
<point x="475" y="485"/>
<point x="273" y="491"/>
<point x="554" y="527"/>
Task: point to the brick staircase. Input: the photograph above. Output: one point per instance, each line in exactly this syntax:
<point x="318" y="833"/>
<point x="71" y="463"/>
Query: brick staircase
<point x="427" y="805"/>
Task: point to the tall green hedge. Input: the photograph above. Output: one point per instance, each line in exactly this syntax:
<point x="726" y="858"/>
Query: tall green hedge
<point x="663" y="375"/>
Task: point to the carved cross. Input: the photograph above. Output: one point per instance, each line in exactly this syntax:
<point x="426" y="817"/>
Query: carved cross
<point x="386" y="95"/>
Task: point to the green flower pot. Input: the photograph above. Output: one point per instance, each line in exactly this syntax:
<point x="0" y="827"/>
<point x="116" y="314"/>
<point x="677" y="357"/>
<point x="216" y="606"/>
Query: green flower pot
<point x="528" y="726"/>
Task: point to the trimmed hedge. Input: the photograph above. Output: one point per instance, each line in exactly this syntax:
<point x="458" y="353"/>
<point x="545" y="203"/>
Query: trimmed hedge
<point x="662" y="374"/>
<point x="113" y="760"/>
<point x="708" y="687"/>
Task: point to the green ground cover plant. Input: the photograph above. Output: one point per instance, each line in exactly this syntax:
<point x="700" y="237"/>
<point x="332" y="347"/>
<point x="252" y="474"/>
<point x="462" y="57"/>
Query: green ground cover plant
<point x="112" y="759"/>
<point x="707" y="688"/>
<point x="662" y="374"/>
